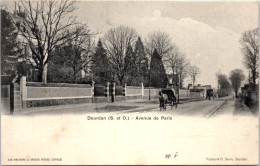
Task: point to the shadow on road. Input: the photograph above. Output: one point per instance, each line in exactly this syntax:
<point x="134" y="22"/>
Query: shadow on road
<point x="240" y="108"/>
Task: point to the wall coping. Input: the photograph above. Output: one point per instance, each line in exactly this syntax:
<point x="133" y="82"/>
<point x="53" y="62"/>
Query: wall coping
<point x="134" y="95"/>
<point x="151" y="88"/>
<point x="57" y="98"/>
<point x="133" y="87"/>
<point x="39" y="84"/>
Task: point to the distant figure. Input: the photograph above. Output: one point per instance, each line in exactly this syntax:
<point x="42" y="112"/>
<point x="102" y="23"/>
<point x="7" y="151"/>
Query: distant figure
<point x="209" y="93"/>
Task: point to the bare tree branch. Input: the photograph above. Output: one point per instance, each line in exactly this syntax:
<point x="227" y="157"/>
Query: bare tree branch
<point x="47" y="25"/>
<point x="250" y="50"/>
<point x="116" y="41"/>
<point x="160" y="41"/>
<point x="193" y="73"/>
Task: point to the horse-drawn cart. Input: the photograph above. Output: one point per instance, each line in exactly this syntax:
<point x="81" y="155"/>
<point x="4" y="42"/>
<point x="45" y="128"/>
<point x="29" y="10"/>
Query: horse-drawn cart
<point x="167" y="96"/>
<point x="209" y="94"/>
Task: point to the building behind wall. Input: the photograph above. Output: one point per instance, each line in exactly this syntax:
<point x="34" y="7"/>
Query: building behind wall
<point x="20" y="61"/>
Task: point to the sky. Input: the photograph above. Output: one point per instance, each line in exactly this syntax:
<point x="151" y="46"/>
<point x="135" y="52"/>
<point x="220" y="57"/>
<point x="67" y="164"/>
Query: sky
<point x="207" y="32"/>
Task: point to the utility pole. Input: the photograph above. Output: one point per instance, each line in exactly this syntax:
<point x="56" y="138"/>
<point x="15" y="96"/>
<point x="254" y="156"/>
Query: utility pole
<point x="176" y="85"/>
<point x="179" y="88"/>
<point x="149" y="84"/>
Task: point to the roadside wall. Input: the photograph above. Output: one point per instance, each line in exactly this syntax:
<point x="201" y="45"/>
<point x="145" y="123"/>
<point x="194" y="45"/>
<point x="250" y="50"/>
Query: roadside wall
<point x="134" y="92"/>
<point x="34" y="94"/>
<point x="49" y="94"/>
<point x="152" y="92"/>
<point x="184" y="93"/>
<point x="197" y="95"/>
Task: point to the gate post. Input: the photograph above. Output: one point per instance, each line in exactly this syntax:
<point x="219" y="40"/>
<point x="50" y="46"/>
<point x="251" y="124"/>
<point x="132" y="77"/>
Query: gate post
<point x="23" y="91"/>
<point x="92" y="91"/>
<point x="124" y="89"/>
<point x="142" y="86"/>
<point x="113" y="92"/>
<point x="107" y="92"/>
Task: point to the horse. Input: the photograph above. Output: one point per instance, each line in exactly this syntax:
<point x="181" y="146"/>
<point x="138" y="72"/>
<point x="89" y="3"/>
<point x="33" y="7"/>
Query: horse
<point x="162" y="100"/>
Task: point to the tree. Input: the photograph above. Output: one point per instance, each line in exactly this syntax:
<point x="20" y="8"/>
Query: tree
<point x="130" y="66"/>
<point x="160" y="41"/>
<point x="100" y="65"/>
<point x="158" y="77"/>
<point x="8" y="38"/>
<point x="63" y="73"/>
<point x="193" y="73"/>
<point x="47" y="24"/>
<point x="176" y="61"/>
<point x="24" y="69"/>
<point x="80" y="51"/>
<point x="224" y="85"/>
<point x="250" y="50"/>
<point x="182" y="68"/>
<point x="76" y="54"/>
<point x="116" y="42"/>
<point x="236" y="77"/>
<point x="171" y="61"/>
<point x="141" y="63"/>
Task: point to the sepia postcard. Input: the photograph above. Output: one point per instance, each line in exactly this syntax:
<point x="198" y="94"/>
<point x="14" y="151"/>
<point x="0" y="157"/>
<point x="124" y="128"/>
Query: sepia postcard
<point x="129" y="82"/>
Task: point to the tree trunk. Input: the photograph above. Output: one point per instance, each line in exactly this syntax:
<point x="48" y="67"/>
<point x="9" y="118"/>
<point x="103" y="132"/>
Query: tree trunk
<point x="44" y="73"/>
<point x="121" y="78"/>
<point x="75" y="79"/>
<point x="236" y="89"/>
<point x="74" y="76"/>
<point x="236" y="94"/>
<point x="180" y="81"/>
<point x="254" y="79"/>
<point x="40" y="72"/>
<point x="172" y="76"/>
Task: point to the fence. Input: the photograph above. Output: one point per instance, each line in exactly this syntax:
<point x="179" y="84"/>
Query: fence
<point x="151" y="93"/>
<point x="119" y="91"/>
<point x="39" y="93"/>
<point x="184" y="93"/>
<point x="5" y="98"/>
<point x="134" y="92"/>
<point x="100" y="90"/>
<point x="32" y="94"/>
<point x="48" y="94"/>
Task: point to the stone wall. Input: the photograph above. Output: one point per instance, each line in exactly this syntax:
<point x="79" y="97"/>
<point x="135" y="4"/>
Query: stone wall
<point x="54" y="102"/>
